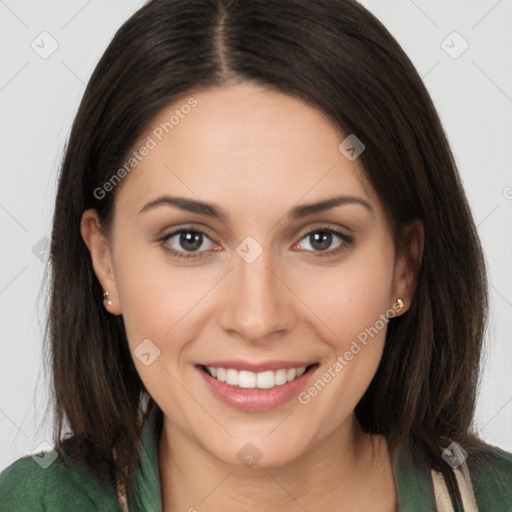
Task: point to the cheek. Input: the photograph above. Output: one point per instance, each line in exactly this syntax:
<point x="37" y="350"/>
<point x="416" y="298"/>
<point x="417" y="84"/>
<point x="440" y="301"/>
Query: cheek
<point x="358" y="311"/>
<point x="352" y="302"/>
<point x="158" y="300"/>
<point x="147" y="294"/>
<point x="157" y="303"/>
<point x="352" y="297"/>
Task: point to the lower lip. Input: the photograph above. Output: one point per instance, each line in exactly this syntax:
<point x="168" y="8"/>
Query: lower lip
<point x="256" y="400"/>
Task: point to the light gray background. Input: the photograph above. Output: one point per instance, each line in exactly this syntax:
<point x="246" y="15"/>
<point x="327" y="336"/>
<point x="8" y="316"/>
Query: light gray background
<point x="39" y="98"/>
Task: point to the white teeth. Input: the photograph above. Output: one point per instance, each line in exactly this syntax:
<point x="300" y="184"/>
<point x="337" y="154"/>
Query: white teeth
<point x="280" y="377"/>
<point x="221" y="373"/>
<point x="232" y="377"/>
<point x="291" y="374"/>
<point x="265" y="380"/>
<point x="251" y="380"/>
<point x="247" y="379"/>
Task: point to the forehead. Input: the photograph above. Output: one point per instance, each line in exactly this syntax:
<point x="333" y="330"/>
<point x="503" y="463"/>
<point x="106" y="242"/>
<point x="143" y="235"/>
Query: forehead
<point x="245" y="145"/>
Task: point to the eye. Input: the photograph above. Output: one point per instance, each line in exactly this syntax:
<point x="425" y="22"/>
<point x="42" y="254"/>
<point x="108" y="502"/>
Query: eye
<point x="322" y="238"/>
<point x="191" y="240"/>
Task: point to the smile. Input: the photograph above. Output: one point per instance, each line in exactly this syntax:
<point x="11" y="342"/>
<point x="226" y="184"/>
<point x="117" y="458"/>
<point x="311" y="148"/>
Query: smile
<point x="256" y="388"/>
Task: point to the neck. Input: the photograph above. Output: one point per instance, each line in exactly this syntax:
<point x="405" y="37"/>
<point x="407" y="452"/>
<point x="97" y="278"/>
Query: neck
<point x="348" y="471"/>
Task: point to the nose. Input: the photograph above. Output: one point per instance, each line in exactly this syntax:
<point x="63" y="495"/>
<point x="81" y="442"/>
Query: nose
<point x="257" y="303"/>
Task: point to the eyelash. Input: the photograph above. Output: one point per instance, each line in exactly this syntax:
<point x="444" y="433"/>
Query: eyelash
<point x="346" y="241"/>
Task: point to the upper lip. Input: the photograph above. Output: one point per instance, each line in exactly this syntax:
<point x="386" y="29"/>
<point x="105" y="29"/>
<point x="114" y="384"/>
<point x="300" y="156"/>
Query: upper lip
<point x="257" y="367"/>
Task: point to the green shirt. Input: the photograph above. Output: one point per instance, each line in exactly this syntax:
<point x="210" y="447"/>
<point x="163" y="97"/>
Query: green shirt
<point x="26" y="487"/>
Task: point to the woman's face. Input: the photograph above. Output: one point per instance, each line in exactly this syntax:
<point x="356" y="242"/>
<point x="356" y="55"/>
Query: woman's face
<point x="273" y="283"/>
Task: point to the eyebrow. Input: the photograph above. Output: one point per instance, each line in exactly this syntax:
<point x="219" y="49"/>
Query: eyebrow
<point x="212" y="210"/>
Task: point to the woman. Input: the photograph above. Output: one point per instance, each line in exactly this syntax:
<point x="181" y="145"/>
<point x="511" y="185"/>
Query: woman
<point x="257" y="299"/>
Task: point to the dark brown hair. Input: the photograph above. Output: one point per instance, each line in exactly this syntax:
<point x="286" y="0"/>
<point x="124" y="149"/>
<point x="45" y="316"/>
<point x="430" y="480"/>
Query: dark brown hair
<point x="338" y="57"/>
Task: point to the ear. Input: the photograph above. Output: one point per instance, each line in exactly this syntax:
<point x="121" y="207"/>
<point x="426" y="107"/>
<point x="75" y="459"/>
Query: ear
<point x="407" y="263"/>
<point x="101" y="257"/>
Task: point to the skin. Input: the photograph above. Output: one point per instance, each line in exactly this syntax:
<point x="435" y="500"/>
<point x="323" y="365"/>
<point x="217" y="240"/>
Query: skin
<point x="256" y="153"/>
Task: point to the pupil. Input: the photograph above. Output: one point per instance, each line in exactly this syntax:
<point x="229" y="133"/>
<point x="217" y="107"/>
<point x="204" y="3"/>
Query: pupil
<point x="324" y="238"/>
<point x="194" y="239"/>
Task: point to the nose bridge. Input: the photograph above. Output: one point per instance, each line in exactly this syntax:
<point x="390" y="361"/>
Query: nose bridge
<point x="257" y="303"/>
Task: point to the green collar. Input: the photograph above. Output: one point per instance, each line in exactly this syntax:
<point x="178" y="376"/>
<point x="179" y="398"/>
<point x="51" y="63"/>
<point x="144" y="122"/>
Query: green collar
<point x="146" y="494"/>
<point x="414" y="488"/>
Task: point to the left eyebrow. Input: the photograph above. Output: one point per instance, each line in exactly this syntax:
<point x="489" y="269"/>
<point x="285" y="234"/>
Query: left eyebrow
<point x="212" y="210"/>
<point x="308" y="209"/>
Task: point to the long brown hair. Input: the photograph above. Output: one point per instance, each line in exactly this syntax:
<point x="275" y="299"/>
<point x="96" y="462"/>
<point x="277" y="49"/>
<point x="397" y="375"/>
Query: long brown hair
<point x="338" y="57"/>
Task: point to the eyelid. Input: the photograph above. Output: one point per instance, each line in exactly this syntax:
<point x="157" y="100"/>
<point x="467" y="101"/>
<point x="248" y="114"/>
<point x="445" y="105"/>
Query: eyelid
<point x="171" y="231"/>
<point x="328" y="227"/>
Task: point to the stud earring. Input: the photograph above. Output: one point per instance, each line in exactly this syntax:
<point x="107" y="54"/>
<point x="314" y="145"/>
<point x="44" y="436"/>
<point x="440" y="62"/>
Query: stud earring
<point x="106" y="299"/>
<point x="400" y="304"/>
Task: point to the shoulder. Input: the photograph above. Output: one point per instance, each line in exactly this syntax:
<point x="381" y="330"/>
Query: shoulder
<point x="30" y="485"/>
<point x="22" y="485"/>
<point x="491" y="473"/>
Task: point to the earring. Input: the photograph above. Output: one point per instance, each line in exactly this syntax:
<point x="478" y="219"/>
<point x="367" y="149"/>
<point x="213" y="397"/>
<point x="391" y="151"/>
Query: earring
<point x="400" y="303"/>
<point x="106" y="299"/>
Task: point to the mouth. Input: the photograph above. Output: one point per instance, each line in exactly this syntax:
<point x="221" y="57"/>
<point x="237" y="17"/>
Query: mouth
<point x="256" y="389"/>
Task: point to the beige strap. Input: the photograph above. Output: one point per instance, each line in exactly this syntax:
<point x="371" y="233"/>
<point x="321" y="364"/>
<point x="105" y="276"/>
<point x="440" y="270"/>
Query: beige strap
<point x="121" y="496"/>
<point x="441" y="494"/>
<point x="466" y="489"/>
